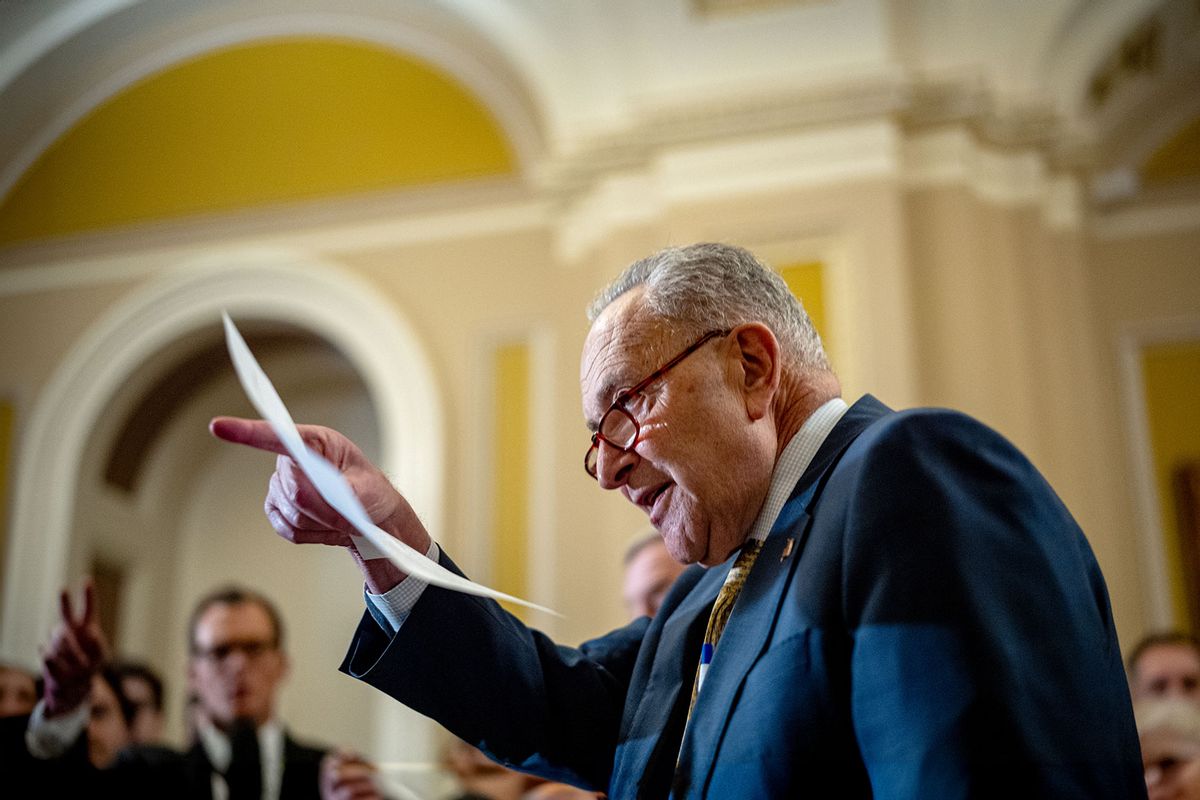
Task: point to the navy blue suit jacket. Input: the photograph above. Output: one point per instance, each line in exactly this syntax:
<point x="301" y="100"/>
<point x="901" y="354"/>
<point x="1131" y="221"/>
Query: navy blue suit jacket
<point x="925" y="620"/>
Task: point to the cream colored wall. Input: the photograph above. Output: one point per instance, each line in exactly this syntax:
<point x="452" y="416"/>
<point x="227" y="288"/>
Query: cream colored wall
<point x="1142" y="278"/>
<point x="1144" y="288"/>
<point x="1003" y="310"/>
<point x="38" y="328"/>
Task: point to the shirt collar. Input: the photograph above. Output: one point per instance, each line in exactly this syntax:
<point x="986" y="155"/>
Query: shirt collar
<point x="795" y="458"/>
<point x="219" y="751"/>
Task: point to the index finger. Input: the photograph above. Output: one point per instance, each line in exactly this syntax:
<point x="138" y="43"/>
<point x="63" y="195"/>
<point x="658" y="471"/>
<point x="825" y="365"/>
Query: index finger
<point x="87" y="614"/>
<point x="64" y="607"/>
<point x="256" y="433"/>
<point x="89" y="604"/>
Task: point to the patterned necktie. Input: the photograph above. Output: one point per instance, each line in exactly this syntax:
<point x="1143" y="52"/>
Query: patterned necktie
<point x="722" y="608"/>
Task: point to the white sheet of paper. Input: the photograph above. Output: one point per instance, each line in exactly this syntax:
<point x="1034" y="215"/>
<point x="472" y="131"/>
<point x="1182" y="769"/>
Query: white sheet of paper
<point x="371" y="541"/>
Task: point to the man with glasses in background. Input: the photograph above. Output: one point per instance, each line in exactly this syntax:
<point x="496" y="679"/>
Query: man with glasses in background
<point x="241" y="751"/>
<point x="887" y="604"/>
<point x="236" y="667"/>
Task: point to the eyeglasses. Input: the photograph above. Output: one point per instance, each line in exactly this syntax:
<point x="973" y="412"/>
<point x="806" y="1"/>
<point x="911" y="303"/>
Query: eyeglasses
<point x="618" y="427"/>
<point x="251" y="649"/>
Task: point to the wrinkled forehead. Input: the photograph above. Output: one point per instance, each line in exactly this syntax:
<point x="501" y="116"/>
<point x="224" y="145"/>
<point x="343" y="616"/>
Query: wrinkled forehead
<point x="618" y="352"/>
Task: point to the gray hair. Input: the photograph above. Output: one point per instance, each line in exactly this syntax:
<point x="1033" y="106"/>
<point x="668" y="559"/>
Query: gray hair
<point x="708" y="285"/>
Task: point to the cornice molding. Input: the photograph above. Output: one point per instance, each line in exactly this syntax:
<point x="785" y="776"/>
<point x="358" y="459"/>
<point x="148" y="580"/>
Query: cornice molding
<point x="340" y="225"/>
<point x="1147" y="219"/>
<point x="871" y="127"/>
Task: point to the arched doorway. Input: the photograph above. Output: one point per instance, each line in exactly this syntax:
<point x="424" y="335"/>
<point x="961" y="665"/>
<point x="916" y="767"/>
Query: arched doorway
<point x="275" y="289"/>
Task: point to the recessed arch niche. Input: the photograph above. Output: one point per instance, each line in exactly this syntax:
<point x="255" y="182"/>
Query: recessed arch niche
<point x="279" y="286"/>
<point x="246" y="124"/>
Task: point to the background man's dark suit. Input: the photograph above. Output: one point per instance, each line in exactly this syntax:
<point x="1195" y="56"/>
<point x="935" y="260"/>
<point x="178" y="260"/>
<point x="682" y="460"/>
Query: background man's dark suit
<point x="162" y="772"/>
<point x="936" y="628"/>
<point x="143" y="771"/>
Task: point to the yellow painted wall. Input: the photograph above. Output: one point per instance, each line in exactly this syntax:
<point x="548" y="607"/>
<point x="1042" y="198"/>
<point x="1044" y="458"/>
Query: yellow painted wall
<point x="1177" y="159"/>
<point x="1171" y="375"/>
<point x="252" y="125"/>
<point x="807" y="282"/>
<point x="510" y="487"/>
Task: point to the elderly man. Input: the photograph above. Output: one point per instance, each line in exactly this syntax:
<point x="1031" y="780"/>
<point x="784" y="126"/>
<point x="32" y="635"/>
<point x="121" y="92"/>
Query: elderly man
<point x="888" y="604"/>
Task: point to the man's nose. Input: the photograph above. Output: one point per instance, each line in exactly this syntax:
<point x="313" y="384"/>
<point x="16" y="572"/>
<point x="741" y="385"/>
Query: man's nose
<point x="236" y="660"/>
<point x="613" y="465"/>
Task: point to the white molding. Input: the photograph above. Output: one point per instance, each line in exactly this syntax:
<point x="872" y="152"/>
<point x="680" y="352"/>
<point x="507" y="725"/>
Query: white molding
<point x="1094" y="33"/>
<point x="1009" y="177"/>
<point x="819" y="157"/>
<point x="692" y="173"/>
<point x="53" y="267"/>
<point x="1131" y="341"/>
<point x="434" y="226"/>
<point x="288" y="286"/>
<point x="614" y="202"/>
<point x="78" y="274"/>
<point x="543" y="505"/>
<point x="1064" y="203"/>
<point x="541" y="547"/>
<point x="57" y="27"/>
<point x="1153" y="220"/>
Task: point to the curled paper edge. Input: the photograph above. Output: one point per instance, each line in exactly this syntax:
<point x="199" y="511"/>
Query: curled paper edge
<point x="371" y="541"/>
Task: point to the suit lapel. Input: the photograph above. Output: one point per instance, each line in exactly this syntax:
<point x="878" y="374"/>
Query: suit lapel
<point x="747" y="633"/>
<point x="754" y="615"/>
<point x="651" y="732"/>
<point x="301" y="774"/>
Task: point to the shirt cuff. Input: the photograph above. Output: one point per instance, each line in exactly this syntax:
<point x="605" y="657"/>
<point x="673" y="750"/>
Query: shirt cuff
<point x="51" y="737"/>
<point x="391" y="608"/>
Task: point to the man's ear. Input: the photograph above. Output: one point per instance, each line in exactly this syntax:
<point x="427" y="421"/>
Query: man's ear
<point x="758" y="367"/>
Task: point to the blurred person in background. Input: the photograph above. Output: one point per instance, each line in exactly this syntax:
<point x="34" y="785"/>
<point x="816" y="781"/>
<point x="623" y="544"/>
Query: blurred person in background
<point x="143" y="688"/>
<point x="110" y="716"/>
<point x="1169" y="731"/>
<point x="241" y="752"/>
<point x="1165" y="665"/>
<point x="649" y="574"/>
<point x="480" y="778"/>
<point x="18" y="690"/>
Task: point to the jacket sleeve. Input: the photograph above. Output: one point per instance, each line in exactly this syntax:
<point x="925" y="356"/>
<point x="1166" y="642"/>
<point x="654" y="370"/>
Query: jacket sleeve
<point x="528" y="703"/>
